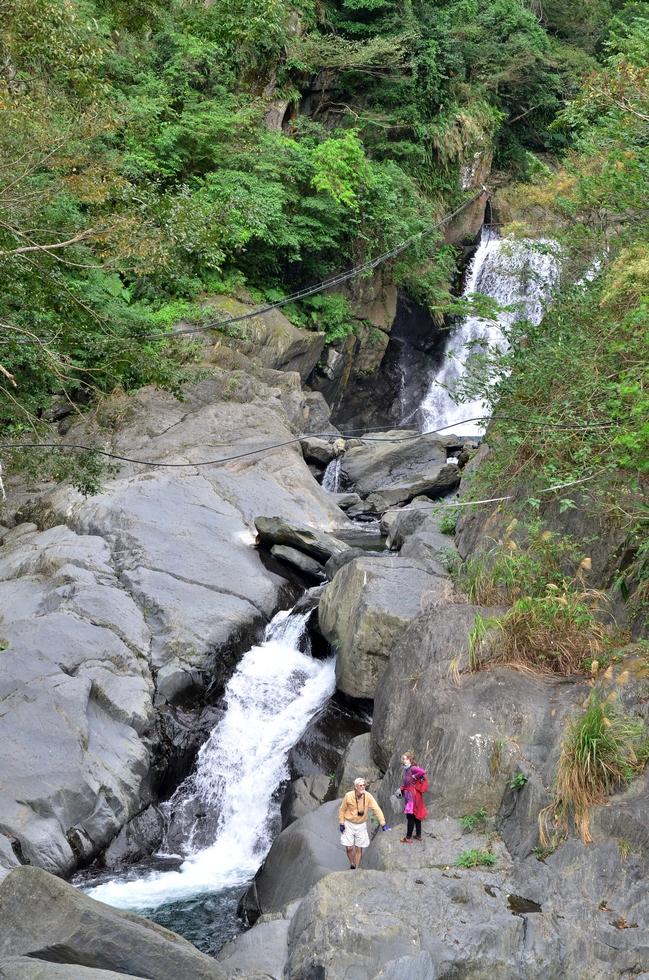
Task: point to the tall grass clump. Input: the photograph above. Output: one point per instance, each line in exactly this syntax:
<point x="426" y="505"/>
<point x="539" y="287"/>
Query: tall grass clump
<point x="511" y="569"/>
<point x="602" y="751"/>
<point x="550" y="634"/>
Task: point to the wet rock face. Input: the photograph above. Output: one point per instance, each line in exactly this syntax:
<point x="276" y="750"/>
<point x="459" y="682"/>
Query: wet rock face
<point x="303" y="796"/>
<point x="324" y="742"/>
<point x="357" y="761"/>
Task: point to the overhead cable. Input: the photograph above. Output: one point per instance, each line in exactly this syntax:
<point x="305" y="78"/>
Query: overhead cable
<point x="302" y="438"/>
<point x="333" y="280"/>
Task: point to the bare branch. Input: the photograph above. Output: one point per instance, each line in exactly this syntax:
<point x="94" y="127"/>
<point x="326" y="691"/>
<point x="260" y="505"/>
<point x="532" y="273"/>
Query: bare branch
<point x="47" y="248"/>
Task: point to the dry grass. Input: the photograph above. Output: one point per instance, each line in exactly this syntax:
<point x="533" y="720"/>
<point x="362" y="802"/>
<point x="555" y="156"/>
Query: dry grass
<point x="602" y="751"/>
<point x="550" y="634"/>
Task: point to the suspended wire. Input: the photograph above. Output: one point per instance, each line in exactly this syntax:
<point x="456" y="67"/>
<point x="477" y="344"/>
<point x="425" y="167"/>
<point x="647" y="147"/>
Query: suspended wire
<point x="354" y="433"/>
<point x="333" y="280"/>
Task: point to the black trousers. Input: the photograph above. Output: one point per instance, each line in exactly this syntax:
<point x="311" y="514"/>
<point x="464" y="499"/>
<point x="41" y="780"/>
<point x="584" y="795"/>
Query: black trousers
<point x="413" y="823"/>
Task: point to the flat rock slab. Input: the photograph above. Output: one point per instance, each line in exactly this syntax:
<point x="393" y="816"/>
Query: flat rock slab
<point x="434" y="481"/>
<point x="366" y="609"/>
<point x="393" y="456"/>
<point x="25" y="968"/>
<point x="45" y="918"/>
<point x="444" y="841"/>
<point x="75" y="697"/>
<point x="317" y="544"/>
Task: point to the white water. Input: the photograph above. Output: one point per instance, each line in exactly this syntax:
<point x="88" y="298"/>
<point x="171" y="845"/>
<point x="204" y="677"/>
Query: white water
<point x="331" y="477"/>
<point x="512" y="273"/>
<point x="225" y="812"/>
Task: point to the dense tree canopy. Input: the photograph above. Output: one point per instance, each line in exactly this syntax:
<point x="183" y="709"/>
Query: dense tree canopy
<point x="138" y="173"/>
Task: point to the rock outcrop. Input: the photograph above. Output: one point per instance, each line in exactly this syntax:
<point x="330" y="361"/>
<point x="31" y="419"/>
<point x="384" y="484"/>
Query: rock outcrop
<point x="390" y="457"/>
<point x="43" y="918"/>
<point x="128" y="603"/>
<point x="77" y="697"/>
<point x="365" y="610"/>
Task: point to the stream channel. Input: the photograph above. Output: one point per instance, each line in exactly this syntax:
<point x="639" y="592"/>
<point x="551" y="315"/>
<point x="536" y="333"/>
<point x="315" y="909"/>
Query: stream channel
<point x="222" y="819"/>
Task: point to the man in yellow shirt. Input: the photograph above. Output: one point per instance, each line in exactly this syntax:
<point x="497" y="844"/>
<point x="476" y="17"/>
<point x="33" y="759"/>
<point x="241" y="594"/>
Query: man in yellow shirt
<point x="352" y="818"/>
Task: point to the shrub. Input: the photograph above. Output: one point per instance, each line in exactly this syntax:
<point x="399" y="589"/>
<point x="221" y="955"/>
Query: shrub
<point x="509" y="570"/>
<point x="448" y="521"/>
<point x="602" y="751"/>
<point x="471" y="819"/>
<point x="475" y="857"/>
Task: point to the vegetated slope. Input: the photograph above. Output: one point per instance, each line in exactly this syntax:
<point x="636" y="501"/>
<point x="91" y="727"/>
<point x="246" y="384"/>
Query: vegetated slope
<point x="152" y="153"/>
<point x="581" y="374"/>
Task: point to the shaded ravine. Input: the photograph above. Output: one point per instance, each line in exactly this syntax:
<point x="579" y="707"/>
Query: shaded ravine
<point x="222" y="819"/>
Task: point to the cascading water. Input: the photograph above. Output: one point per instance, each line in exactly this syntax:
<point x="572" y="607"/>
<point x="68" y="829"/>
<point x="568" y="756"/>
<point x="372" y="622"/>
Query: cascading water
<point x="331" y="481"/>
<point x="223" y="817"/>
<point x="518" y="274"/>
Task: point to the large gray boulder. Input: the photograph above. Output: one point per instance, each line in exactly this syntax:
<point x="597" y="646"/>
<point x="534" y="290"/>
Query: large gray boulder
<point x="302" y="854"/>
<point x="269" y="339"/>
<point x="354" y="928"/>
<point x="366" y="609"/>
<point x="150" y="589"/>
<point x="537" y="921"/>
<point x="434" y="481"/>
<point x="390" y="457"/>
<point x="472" y="733"/>
<point x="77" y="691"/>
<point x="318" y="544"/>
<point x="261" y="951"/>
<point x="44" y="918"/>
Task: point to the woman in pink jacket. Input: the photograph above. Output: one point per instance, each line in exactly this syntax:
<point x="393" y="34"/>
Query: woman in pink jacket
<point x="414" y="809"/>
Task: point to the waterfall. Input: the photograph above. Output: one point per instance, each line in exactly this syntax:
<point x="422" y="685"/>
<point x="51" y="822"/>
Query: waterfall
<point x="224" y="816"/>
<point x="512" y="273"/>
<point x="331" y="478"/>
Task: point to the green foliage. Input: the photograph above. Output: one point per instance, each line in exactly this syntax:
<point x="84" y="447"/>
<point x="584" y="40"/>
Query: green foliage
<point x="138" y="173"/>
<point x="509" y="570"/>
<point x="518" y="781"/>
<point x="331" y="313"/>
<point x="542" y="851"/>
<point x="601" y="751"/>
<point x="470" y="820"/>
<point x="341" y="169"/>
<point x="475" y="858"/>
<point x="448" y="521"/>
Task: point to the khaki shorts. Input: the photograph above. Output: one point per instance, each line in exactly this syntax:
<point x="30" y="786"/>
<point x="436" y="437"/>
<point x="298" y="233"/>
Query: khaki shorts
<point x="355" y="833"/>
